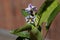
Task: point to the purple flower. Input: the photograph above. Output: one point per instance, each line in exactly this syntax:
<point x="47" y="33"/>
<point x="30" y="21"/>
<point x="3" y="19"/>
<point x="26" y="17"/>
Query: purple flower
<point x="30" y="7"/>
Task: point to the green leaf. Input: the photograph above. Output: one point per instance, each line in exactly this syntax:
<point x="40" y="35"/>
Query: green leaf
<point x="23" y="28"/>
<point x="23" y="34"/>
<point x="48" y="12"/>
<point x="53" y="15"/>
<point x="24" y="13"/>
<point x="43" y="8"/>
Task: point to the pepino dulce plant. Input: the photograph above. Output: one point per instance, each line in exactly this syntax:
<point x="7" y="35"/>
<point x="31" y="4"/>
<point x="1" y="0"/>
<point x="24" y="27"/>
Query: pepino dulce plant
<point x="36" y="20"/>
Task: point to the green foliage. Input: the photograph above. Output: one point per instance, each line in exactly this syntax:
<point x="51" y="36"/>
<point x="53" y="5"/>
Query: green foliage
<point x="52" y="16"/>
<point x="48" y="12"/>
<point x="23" y="34"/>
<point x="43" y="8"/>
<point x="37" y="33"/>
<point x="24" y="13"/>
<point x="23" y="28"/>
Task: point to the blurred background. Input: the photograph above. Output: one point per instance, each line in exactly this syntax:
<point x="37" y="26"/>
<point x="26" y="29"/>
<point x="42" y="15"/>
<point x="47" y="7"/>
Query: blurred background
<point x="10" y="12"/>
<point x="11" y="18"/>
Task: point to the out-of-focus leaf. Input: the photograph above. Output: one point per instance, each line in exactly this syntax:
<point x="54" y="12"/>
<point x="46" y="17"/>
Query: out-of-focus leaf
<point x="23" y="28"/>
<point x="24" y="12"/>
<point x="48" y="12"/>
<point x="43" y="8"/>
<point x="53" y="15"/>
<point x="23" y="34"/>
<point x="37" y="33"/>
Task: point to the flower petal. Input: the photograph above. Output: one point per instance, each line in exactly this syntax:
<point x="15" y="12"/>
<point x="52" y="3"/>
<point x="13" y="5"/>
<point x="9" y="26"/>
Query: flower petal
<point x="30" y="6"/>
<point x="34" y="8"/>
<point x="27" y="9"/>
